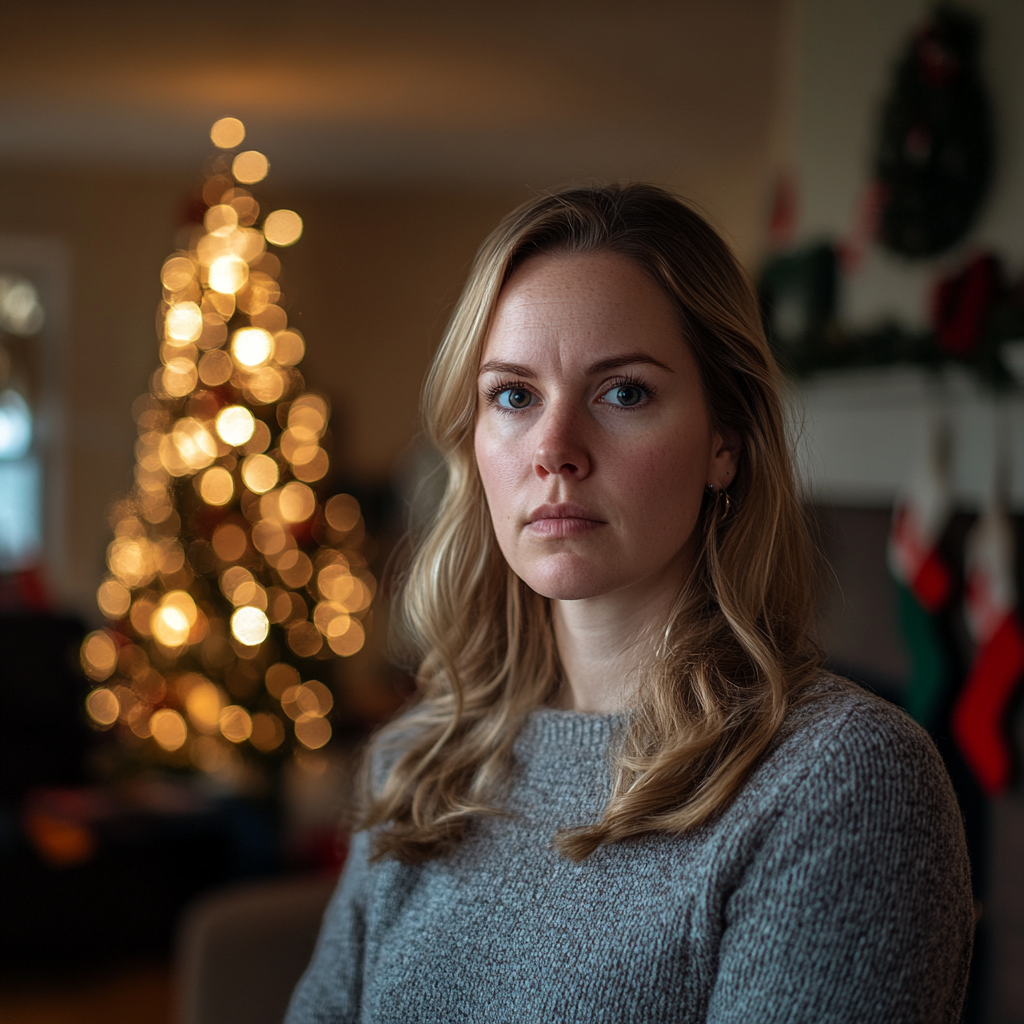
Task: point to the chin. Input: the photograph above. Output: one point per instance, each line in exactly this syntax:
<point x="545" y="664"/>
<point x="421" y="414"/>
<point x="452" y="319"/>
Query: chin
<point x="569" y="582"/>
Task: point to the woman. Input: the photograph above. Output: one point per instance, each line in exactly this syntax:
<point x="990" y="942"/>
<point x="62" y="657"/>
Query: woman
<point x="629" y="792"/>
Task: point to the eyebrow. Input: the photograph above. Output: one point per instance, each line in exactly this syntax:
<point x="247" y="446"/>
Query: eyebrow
<point x="602" y="366"/>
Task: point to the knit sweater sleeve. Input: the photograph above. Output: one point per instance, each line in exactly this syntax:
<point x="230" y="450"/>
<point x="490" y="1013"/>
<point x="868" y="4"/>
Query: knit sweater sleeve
<point x="330" y="990"/>
<point x="856" y="904"/>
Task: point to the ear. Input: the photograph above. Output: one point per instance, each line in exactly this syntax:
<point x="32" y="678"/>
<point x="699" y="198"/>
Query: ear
<point x="726" y="445"/>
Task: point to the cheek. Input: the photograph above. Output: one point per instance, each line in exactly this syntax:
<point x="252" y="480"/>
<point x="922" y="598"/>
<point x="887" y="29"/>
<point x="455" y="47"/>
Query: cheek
<point x="496" y="463"/>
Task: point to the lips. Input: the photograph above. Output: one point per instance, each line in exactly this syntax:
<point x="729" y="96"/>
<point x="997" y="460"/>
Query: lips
<point x="564" y="520"/>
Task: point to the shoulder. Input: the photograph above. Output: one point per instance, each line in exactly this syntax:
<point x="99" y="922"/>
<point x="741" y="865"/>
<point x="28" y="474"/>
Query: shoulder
<point x="847" y="757"/>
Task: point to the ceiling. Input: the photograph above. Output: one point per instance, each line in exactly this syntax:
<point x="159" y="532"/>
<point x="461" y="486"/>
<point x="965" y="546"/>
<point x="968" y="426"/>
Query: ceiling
<point x="530" y="92"/>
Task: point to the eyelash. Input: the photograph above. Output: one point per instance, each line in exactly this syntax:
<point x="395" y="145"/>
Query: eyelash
<point x="495" y="390"/>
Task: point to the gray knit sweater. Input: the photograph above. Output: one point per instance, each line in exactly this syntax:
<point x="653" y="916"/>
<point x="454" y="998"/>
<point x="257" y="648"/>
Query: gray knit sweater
<point x="835" y="888"/>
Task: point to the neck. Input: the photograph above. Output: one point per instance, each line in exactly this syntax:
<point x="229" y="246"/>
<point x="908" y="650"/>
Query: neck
<point x="602" y="643"/>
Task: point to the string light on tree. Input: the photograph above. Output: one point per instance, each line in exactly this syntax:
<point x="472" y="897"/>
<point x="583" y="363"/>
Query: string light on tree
<point x="227" y="572"/>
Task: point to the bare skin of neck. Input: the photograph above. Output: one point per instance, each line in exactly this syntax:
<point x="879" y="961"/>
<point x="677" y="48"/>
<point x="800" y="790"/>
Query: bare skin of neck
<point x="601" y="641"/>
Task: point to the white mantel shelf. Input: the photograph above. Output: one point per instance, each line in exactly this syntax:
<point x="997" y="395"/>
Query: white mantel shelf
<point x="859" y="434"/>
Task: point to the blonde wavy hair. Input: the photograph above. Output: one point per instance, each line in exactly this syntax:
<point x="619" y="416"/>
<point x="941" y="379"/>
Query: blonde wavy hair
<point x="736" y="648"/>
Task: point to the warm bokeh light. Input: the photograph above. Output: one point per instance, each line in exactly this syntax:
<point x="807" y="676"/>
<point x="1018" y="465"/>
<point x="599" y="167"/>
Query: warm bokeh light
<point x="216" y="486"/>
<point x="279" y="677"/>
<point x="174" y="618"/>
<point x="266" y="385"/>
<point x="289" y="347"/>
<point x="228" y="274"/>
<point x="342" y="512"/>
<point x="252" y="347"/>
<point x="260" y="440"/>
<point x="298" y="573"/>
<point x="249" y="626"/>
<point x="179" y="377"/>
<point x="235" y="424"/>
<point x="235" y="723"/>
<point x="260" y="473"/>
<point x="229" y="542"/>
<point x="221" y="218"/>
<point x="184" y="322"/>
<point x="195" y="444"/>
<point x="304" y="639"/>
<point x="99" y="655"/>
<point x="350" y="642"/>
<point x="103" y="706"/>
<point x="227" y="133"/>
<point x="250" y="167"/>
<point x="312" y="732"/>
<point x="177" y="273"/>
<point x="215" y="368"/>
<point x="296" y="502"/>
<point x="199" y="572"/>
<point x="114" y="599"/>
<point x="315" y="469"/>
<point x="283" y="227"/>
<point x="168" y="729"/>
<point x="203" y="704"/>
<point x="267" y="732"/>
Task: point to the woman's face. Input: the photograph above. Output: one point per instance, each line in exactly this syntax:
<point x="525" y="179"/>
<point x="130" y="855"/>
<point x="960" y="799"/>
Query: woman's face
<point x="593" y="440"/>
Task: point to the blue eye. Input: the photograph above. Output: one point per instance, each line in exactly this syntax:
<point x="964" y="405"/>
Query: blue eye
<point x="515" y="398"/>
<point x="625" y="395"/>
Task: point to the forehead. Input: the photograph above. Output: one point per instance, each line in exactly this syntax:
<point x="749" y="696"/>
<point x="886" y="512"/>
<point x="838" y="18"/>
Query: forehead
<point x="587" y="304"/>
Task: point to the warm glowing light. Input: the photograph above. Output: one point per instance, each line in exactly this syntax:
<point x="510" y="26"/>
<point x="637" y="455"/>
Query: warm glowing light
<point x="179" y="377"/>
<point x="260" y="473"/>
<point x="266" y="385"/>
<point x="279" y="677"/>
<point x="315" y="469"/>
<point x="312" y="732"/>
<point x="221" y="217"/>
<point x="174" y="618"/>
<point x="267" y="732"/>
<point x="217" y="487"/>
<point x="283" y="227"/>
<point x="298" y="573"/>
<point x="210" y="754"/>
<point x="239" y="586"/>
<point x="130" y="560"/>
<point x="215" y="368"/>
<point x="103" y="706"/>
<point x="99" y="655"/>
<point x="289" y="347"/>
<point x="250" y="167"/>
<point x="260" y="440"/>
<point x="296" y="502"/>
<point x="311" y="699"/>
<point x="235" y="424"/>
<point x="252" y="347"/>
<point x="342" y="512"/>
<point x="307" y="417"/>
<point x="227" y="133"/>
<point x="349" y="642"/>
<point x="249" y="626"/>
<point x="114" y="599"/>
<point x="235" y="723"/>
<point x="177" y="273"/>
<point x="228" y="274"/>
<point x="304" y="639"/>
<point x="168" y="729"/>
<point x="195" y="444"/>
<point x="269" y="537"/>
<point x="184" y="323"/>
<point x="229" y="542"/>
<point x="203" y="704"/>
<point x="141" y="613"/>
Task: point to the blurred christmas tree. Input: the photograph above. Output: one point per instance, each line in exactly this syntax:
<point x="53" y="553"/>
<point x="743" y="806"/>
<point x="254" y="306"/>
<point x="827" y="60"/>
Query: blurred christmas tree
<point x="229" y="578"/>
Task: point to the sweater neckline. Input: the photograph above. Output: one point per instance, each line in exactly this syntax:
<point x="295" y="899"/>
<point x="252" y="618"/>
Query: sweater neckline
<point x="554" y="726"/>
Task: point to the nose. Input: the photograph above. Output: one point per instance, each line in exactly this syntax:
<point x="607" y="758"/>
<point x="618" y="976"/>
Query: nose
<point x="561" y="445"/>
